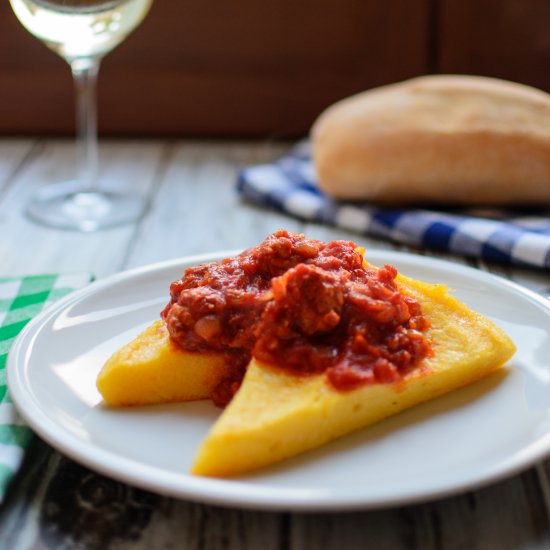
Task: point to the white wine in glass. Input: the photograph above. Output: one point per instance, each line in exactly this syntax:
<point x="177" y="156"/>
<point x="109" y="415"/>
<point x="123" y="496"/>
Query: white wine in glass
<point x="82" y="32"/>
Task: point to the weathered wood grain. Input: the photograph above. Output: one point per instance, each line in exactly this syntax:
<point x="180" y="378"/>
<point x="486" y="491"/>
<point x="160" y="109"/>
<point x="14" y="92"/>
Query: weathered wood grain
<point x="55" y="503"/>
<point x="507" y="515"/>
<point x="32" y="248"/>
<point x="196" y="208"/>
<point x="13" y="154"/>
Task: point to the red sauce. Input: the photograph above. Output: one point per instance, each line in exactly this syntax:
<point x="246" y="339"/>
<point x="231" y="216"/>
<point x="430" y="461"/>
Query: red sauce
<point x="303" y="305"/>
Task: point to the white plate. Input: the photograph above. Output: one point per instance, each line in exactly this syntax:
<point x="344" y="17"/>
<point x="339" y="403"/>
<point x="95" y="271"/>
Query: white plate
<point x="460" y="441"/>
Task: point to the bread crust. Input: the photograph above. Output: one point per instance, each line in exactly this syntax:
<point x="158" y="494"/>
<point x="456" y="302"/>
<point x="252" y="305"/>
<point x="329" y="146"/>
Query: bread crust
<point x="437" y="139"/>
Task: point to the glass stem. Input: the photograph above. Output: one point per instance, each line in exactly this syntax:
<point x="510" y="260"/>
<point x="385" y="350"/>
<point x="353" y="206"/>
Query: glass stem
<point x="85" y="81"/>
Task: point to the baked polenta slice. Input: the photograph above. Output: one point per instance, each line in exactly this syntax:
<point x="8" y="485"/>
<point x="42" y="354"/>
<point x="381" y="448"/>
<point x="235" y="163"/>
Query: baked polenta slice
<point x="151" y="369"/>
<point x="304" y="342"/>
<point x="277" y="414"/>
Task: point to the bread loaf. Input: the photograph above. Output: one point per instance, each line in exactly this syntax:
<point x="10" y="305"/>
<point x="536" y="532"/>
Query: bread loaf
<point x="437" y="139"/>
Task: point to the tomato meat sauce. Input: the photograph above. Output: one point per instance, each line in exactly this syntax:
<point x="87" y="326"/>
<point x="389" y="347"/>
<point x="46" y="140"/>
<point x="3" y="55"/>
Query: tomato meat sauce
<point x="304" y="306"/>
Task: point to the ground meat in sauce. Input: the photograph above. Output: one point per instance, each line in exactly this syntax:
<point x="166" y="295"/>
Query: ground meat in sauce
<point x="301" y="304"/>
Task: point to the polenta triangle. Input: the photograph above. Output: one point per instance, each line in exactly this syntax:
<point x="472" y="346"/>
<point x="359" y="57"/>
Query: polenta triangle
<point x="334" y="345"/>
<point x="277" y="415"/>
<point x="151" y="370"/>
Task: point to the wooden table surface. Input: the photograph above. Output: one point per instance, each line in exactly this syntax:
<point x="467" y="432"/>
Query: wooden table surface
<point x="56" y="503"/>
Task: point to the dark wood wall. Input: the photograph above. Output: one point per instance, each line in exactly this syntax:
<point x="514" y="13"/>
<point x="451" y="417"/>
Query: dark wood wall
<point x="246" y="68"/>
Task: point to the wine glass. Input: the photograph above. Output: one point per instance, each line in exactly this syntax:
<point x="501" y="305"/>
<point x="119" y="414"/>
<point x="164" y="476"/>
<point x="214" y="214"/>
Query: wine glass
<point x="82" y="32"/>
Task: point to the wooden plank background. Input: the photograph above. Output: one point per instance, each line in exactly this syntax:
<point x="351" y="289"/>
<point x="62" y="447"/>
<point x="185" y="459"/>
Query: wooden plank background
<point x="257" y="69"/>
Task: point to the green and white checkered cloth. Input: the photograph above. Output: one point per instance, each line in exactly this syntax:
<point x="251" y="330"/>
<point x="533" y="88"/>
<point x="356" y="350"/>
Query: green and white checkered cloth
<point x="21" y="298"/>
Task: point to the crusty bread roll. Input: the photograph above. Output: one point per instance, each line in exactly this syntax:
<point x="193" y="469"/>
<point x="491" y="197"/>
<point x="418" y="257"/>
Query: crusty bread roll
<point x="437" y="139"/>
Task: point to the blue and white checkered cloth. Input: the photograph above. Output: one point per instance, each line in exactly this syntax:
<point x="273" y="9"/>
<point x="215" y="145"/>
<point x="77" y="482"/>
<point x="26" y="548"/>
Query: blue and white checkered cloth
<point x="514" y="237"/>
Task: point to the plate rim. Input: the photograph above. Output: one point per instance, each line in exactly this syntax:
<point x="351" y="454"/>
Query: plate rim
<point x="216" y="492"/>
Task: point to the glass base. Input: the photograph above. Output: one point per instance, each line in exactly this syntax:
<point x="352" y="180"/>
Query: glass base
<point x="66" y="206"/>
